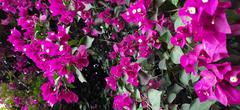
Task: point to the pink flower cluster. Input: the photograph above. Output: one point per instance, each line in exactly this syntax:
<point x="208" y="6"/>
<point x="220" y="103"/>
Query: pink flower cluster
<point x="137" y="45"/>
<point x="131" y="43"/>
<point x="123" y="102"/>
<point x="137" y="14"/>
<point x="51" y="54"/>
<point x="22" y="65"/>
<point x="53" y="95"/>
<point x="143" y="40"/>
<point x="106" y="16"/>
<point x="206" y="22"/>
<point x="124" y="68"/>
<point x="219" y="82"/>
<point x="118" y="2"/>
<point x="58" y="8"/>
<point x="24" y="103"/>
<point x="11" y="6"/>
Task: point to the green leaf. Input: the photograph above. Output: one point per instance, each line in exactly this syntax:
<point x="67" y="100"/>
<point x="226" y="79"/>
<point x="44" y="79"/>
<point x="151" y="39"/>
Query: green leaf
<point x="30" y="107"/>
<point x="178" y="23"/>
<point x="127" y="2"/>
<point x="117" y="10"/>
<point x="165" y="107"/>
<point x="36" y="89"/>
<point x="165" y="81"/>
<point x="184" y="77"/>
<point x="137" y="95"/>
<point x="82" y="40"/>
<point x="140" y="107"/>
<point x="146" y="65"/>
<point x="72" y="42"/>
<point x="68" y="29"/>
<point x="155" y="15"/>
<point x="71" y="86"/>
<point x="166" y="55"/>
<point x="140" y="60"/>
<point x="162" y="64"/>
<point x="185" y="106"/>
<point x="175" y="107"/>
<point x="121" y="88"/>
<point x="56" y="81"/>
<point x="80" y="76"/>
<point x="144" y="78"/>
<point x="154" y="98"/>
<point x="165" y="37"/>
<point x="232" y="16"/>
<point x="175" y="89"/>
<point x="89" y="41"/>
<point x="66" y="2"/>
<point x="38" y="35"/>
<point x="55" y="76"/>
<point x="158" y="3"/>
<point x="171" y="97"/>
<point x="174" y="2"/>
<point x="129" y="87"/>
<point x="189" y="40"/>
<point x="134" y="107"/>
<point x="175" y="54"/>
<point x="197" y="105"/>
<point x="194" y="78"/>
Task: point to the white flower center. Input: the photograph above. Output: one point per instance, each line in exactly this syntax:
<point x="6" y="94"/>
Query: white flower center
<point x="192" y="10"/>
<point x="127" y="13"/>
<point x="140" y="40"/>
<point x="43" y="59"/>
<point x="177" y="43"/>
<point x="206" y="93"/>
<point x="233" y="79"/>
<point x="24" y="49"/>
<point x="139" y="23"/>
<point x="150" y="84"/>
<point x="42" y="46"/>
<point x="204" y="1"/>
<point x="61" y="48"/>
<point x="47" y="39"/>
<point x="213" y="22"/>
<point x="47" y="50"/>
<point x="139" y="10"/>
<point x="134" y="11"/>
<point x="66" y="76"/>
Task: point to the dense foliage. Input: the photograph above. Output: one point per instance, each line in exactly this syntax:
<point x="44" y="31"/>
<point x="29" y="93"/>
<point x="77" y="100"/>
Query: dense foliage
<point x="120" y="54"/>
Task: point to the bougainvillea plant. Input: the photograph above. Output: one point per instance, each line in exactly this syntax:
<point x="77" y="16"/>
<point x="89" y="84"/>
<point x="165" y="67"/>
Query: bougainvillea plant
<point x="120" y="54"/>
